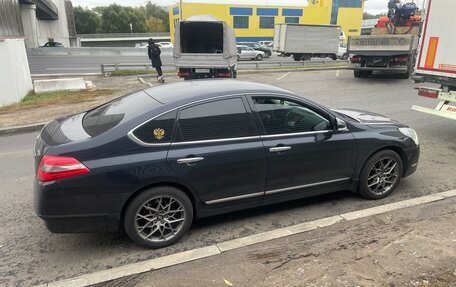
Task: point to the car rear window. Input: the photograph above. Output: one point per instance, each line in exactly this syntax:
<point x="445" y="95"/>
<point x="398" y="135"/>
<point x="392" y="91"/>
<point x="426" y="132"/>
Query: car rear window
<point x="109" y="115"/>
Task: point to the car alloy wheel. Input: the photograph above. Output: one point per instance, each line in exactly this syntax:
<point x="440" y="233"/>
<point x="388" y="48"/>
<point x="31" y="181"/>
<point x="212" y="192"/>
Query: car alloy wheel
<point x="160" y="219"/>
<point x="380" y="175"/>
<point x="383" y="176"/>
<point x="259" y="57"/>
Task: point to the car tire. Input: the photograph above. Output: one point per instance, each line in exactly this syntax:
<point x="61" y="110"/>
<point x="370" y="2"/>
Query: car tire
<point x="381" y="175"/>
<point x="150" y="209"/>
<point x="259" y="57"/>
<point x="356" y="73"/>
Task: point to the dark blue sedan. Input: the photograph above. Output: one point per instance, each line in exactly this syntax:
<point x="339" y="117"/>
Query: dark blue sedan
<point x="153" y="161"/>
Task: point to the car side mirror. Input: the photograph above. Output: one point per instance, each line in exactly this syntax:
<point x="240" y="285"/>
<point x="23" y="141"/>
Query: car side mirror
<point x="341" y="125"/>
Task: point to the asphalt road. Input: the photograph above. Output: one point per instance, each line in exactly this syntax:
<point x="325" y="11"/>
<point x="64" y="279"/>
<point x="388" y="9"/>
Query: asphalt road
<point x="91" y="64"/>
<point x="31" y="255"/>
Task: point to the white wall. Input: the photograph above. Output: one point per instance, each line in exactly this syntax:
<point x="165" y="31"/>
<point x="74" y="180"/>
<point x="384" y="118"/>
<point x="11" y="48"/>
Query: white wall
<point x="55" y="29"/>
<point x="15" y="80"/>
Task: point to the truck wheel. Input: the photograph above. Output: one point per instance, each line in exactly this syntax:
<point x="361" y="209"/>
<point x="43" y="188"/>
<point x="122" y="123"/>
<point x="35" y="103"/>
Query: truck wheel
<point x="356" y="73"/>
<point x="158" y="217"/>
<point x="345" y="57"/>
<point x="334" y="57"/>
<point x="259" y="57"/>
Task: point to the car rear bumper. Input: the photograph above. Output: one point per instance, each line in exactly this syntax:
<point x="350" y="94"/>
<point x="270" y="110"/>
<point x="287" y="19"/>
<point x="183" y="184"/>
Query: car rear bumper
<point x="59" y="215"/>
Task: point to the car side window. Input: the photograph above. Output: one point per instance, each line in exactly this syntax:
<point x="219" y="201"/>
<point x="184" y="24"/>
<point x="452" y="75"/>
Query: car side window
<point x="282" y="116"/>
<point x="222" y="119"/>
<point x="158" y="130"/>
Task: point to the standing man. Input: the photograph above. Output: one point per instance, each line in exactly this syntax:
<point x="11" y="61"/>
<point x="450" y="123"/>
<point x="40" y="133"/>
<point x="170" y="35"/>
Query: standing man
<point x="154" y="55"/>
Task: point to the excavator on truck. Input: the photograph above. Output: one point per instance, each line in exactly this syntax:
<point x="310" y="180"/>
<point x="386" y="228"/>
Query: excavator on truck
<point x="391" y="47"/>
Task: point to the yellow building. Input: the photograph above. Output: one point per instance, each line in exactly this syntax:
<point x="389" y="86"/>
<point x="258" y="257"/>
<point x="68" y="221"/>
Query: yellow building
<point x="253" y="20"/>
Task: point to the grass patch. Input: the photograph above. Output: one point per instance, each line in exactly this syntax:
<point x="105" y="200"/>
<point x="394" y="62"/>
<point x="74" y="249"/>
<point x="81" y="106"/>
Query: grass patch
<point x="32" y="100"/>
<point x="122" y="73"/>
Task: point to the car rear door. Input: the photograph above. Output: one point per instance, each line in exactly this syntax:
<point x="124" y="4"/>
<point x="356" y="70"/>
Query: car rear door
<point x="218" y="152"/>
<point x="304" y="151"/>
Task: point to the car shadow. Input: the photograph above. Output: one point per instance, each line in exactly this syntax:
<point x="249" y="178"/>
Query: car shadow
<point x="386" y="76"/>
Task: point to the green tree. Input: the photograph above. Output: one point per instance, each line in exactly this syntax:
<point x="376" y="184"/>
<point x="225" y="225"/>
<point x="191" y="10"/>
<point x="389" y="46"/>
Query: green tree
<point x="117" y="19"/>
<point x="155" y="24"/>
<point x="86" y="21"/>
<point x="158" y="12"/>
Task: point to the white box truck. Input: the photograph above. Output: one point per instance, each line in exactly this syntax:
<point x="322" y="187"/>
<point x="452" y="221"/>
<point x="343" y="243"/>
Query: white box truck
<point x="205" y="47"/>
<point x="303" y="42"/>
<point x="437" y="58"/>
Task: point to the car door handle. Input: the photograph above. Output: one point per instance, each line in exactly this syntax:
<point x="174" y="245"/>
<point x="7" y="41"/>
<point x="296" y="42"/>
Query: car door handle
<point x="188" y="160"/>
<point x="279" y="148"/>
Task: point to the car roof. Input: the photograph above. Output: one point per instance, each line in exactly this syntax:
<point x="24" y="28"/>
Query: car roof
<point x="178" y="94"/>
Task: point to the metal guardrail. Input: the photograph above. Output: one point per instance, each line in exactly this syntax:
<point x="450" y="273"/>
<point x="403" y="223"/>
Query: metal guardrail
<point x="123" y="35"/>
<point x="106" y="68"/>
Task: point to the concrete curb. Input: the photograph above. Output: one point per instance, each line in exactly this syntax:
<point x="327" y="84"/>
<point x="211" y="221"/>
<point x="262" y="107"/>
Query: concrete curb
<point x="208" y="251"/>
<point x="22" y="129"/>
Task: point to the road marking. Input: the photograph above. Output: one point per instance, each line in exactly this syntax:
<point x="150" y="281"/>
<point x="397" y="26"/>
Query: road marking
<point x="337" y="73"/>
<point x="204" y="252"/>
<point x="283" y="76"/>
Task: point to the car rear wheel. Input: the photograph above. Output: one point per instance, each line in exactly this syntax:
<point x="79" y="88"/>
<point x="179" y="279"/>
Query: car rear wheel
<point x="381" y="175"/>
<point x="158" y="217"/>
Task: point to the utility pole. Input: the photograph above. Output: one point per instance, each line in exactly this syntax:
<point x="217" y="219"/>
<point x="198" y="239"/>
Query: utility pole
<point x="180" y="10"/>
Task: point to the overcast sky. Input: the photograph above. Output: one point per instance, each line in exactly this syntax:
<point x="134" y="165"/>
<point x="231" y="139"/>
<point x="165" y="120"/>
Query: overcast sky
<point x="372" y="6"/>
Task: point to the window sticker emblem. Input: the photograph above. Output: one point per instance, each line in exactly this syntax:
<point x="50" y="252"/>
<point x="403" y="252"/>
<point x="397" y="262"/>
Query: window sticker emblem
<point x="159" y="133"/>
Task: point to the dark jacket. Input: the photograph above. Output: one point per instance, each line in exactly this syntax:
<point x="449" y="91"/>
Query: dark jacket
<point x="154" y="55"/>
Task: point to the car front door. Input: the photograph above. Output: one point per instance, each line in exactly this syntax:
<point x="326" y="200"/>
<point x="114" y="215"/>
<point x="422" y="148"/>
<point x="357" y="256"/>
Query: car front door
<point x="244" y="53"/>
<point x="251" y="53"/>
<point x="218" y="152"/>
<point x="304" y="150"/>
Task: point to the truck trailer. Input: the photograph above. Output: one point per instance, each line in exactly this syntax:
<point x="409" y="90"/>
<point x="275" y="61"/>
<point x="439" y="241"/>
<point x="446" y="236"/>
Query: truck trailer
<point x="437" y="59"/>
<point x="205" y="47"/>
<point x="303" y="42"/>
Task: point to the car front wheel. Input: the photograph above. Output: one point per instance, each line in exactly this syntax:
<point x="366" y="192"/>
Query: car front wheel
<point x="259" y="57"/>
<point x="381" y="175"/>
<point x="158" y="217"/>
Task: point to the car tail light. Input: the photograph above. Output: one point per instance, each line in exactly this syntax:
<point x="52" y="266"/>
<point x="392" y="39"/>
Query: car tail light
<point x="355" y="59"/>
<point x="58" y="167"/>
<point x="428" y="93"/>
<point x="184" y="74"/>
<point x="401" y="59"/>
